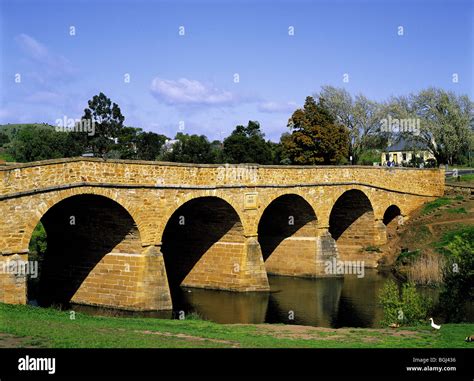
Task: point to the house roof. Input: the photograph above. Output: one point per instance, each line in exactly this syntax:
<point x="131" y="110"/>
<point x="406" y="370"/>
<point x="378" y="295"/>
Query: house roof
<point x="407" y="145"/>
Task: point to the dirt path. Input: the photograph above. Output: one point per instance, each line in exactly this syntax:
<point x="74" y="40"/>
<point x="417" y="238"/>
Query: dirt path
<point x="12" y="341"/>
<point x="447" y="222"/>
<point x="233" y="344"/>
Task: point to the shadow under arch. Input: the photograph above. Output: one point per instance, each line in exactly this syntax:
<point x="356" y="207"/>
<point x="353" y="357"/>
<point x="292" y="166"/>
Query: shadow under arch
<point x="81" y="230"/>
<point x="289" y="215"/>
<point x="201" y="243"/>
<point x="392" y="212"/>
<point x="352" y="222"/>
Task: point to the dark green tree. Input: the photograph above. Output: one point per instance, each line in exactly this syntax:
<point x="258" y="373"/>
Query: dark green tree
<point x="108" y="123"/>
<point x="189" y="149"/>
<point x="316" y="137"/>
<point x="3" y="139"/>
<point x="149" y="145"/>
<point x="247" y="145"/>
<point x="33" y="143"/>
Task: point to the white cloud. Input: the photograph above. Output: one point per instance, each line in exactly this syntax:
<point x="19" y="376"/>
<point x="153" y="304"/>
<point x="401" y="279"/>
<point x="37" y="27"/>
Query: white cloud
<point x="54" y="64"/>
<point x="277" y="107"/>
<point x="190" y="92"/>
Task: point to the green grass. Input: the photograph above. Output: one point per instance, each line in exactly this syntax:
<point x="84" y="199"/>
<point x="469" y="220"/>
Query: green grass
<point x="457" y="211"/>
<point x="462" y="178"/>
<point x="433" y="205"/>
<point x="54" y="329"/>
<point x="6" y="157"/>
<point x="464" y="231"/>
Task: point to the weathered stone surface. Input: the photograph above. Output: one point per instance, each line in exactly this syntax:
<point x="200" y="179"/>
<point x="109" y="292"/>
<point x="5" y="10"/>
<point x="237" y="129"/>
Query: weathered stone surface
<point x="338" y="211"/>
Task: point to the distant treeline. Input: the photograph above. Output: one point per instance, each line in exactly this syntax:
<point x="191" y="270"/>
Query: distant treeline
<point x="330" y="128"/>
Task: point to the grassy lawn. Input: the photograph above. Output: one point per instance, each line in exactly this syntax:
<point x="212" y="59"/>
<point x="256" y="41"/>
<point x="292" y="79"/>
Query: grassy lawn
<point x="26" y="326"/>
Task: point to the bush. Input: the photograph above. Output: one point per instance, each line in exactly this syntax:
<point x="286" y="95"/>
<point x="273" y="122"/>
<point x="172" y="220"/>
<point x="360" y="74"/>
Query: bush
<point x="368" y="157"/>
<point x="458" y="246"/>
<point x="407" y="308"/>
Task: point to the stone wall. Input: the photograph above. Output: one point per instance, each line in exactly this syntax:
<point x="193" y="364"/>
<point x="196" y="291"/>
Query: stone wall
<point x="221" y="249"/>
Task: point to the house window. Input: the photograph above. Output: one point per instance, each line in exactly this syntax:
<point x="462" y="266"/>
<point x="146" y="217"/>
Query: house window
<point x="404" y="155"/>
<point x="387" y="157"/>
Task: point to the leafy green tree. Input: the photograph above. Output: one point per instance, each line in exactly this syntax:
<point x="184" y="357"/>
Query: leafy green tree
<point x="406" y="308"/>
<point x="127" y="142"/>
<point x="247" y="144"/>
<point x="217" y="151"/>
<point x="316" y="137"/>
<point x="149" y="145"/>
<point x="32" y="143"/>
<point x="108" y="123"/>
<point x="458" y="274"/>
<point x="190" y="149"/>
<point x="3" y="139"/>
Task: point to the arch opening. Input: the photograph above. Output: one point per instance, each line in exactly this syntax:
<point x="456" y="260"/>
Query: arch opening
<point x="87" y="250"/>
<point x="391" y="214"/>
<point x="203" y="243"/>
<point x="352" y="224"/>
<point x="287" y="235"/>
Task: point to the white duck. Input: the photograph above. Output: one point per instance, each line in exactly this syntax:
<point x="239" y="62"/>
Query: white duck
<point x="435" y="326"/>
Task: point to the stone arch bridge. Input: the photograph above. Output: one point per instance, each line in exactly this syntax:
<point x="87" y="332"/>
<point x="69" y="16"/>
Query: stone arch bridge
<point x="123" y="233"/>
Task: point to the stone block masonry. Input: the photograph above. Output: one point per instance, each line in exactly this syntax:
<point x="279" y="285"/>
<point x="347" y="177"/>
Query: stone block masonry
<point x="122" y="233"/>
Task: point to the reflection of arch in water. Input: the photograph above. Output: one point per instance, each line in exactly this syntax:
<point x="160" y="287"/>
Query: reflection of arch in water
<point x="225" y="306"/>
<point x="313" y="301"/>
<point x="359" y="300"/>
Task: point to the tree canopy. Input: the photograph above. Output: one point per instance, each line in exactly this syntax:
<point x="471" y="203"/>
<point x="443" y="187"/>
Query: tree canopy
<point x="316" y="137"/>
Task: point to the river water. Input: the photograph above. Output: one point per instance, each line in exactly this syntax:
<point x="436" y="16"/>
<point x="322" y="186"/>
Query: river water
<point x="327" y="302"/>
<point x="346" y="301"/>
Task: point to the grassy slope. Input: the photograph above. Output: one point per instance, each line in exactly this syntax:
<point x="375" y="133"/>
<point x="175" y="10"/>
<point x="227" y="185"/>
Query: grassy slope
<point x="51" y="328"/>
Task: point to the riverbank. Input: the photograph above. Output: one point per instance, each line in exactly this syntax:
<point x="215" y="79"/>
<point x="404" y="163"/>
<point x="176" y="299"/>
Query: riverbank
<point x="32" y="327"/>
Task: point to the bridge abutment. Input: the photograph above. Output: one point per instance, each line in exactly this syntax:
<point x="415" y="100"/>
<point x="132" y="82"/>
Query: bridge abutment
<point x="13" y="289"/>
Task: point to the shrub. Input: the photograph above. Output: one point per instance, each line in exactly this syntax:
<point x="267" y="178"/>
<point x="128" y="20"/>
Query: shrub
<point x="458" y="246"/>
<point x="405" y="308"/>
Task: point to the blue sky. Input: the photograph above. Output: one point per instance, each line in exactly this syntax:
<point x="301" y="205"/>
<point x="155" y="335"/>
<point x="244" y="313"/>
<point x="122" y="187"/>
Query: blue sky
<point x="190" y="78"/>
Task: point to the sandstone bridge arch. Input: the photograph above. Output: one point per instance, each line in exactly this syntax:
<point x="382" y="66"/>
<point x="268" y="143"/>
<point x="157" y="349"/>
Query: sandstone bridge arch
<point x="143" y="226"/>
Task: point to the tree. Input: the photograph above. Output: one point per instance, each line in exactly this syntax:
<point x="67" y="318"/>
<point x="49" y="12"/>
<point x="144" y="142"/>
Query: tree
<point x="190" y="149"/>
<point x="149" y="145"/>
<point x="127" y="142"/>
<point x="108" y="122"/>
<point x="445" y="120"/>
<point x="458" y="273"/>
<point x="360" y="116"/>
<point x="32" y="143"/>
<point x="316" y="137"/>
<point x="3" y="139"/>
<point x="247" y="145"/>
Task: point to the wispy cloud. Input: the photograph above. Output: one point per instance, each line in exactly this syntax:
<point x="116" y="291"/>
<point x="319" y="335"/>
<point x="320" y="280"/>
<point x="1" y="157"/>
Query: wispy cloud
<point x="277" y="107"/>
<point x="190" y="92"/>
<point x="49" y="64"/>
